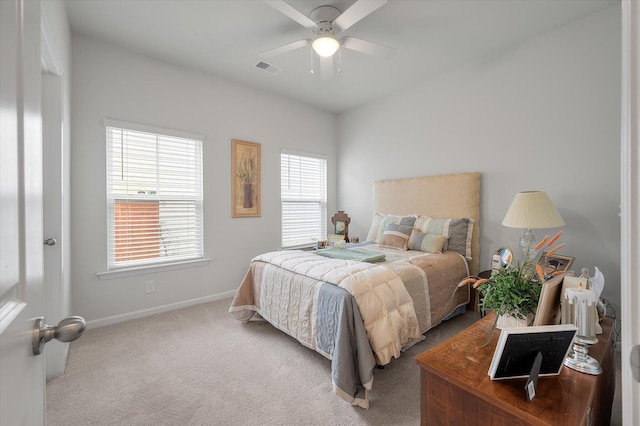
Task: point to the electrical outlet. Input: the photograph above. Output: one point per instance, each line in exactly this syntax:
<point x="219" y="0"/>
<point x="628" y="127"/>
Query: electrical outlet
<point x="150" y="286"/>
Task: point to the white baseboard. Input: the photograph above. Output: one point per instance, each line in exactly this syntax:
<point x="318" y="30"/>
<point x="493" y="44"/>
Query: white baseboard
<point x="157" y="310"/>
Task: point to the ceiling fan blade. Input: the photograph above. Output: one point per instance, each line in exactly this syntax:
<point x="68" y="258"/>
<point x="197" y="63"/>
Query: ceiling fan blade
<point x="293" y="13"/>
<point x="356" y="12"/>
<point x="326" y="67"/>
<point x="284" y="49"/>
<point x="367" y="47"/>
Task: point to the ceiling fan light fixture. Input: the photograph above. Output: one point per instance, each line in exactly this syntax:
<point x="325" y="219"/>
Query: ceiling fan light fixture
<point x="325" y="46"/>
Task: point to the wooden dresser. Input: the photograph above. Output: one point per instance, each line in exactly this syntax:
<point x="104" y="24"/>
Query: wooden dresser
<point x="455" y="388"/>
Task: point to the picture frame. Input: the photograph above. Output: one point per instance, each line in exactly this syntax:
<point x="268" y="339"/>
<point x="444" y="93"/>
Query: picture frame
<point x="332" y="239"/>
<point x="554" y="264"/>
<point x="245" y="179"/>
<point x="548" y="311"/>
<point x="515" y="353"/>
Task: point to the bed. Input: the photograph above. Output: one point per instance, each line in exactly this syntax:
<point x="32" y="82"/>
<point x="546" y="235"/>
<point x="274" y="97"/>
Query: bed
<point x="360" y="305"/>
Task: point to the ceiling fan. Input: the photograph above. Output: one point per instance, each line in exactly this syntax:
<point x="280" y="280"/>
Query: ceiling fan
<point x="327" y="22"/>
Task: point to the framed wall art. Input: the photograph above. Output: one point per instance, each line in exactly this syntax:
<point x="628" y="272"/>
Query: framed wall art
<point x="245" y="179"/>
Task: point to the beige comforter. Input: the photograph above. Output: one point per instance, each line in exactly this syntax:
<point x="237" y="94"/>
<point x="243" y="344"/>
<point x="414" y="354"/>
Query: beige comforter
<point x="398" y="300"/>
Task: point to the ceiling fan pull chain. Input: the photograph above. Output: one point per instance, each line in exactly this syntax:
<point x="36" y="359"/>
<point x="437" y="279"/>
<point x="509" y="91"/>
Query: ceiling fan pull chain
<point x="311" y="60"/>
<point x="340" y="59"/>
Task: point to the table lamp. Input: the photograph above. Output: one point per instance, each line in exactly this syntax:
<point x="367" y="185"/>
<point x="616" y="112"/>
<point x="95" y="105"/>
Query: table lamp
<point x="531" y="210"/>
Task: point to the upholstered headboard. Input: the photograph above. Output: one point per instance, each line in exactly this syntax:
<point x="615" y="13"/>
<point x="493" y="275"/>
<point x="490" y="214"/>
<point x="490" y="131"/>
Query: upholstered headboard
<point x="444" y="196"/>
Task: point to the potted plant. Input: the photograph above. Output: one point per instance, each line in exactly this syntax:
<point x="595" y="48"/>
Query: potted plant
<point x="513" y="291"/>
<point x="512" y="294"/>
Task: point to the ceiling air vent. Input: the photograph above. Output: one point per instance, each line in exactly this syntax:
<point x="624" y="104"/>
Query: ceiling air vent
<point x="268" y="67"/>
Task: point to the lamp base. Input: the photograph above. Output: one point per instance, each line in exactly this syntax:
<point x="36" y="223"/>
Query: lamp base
<point x="527" y="242"/>
<point x="579" y="360"/>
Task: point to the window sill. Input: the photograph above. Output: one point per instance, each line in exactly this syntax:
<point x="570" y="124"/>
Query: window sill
<point x="140" y="270"/>
<point x="300" y="247"/>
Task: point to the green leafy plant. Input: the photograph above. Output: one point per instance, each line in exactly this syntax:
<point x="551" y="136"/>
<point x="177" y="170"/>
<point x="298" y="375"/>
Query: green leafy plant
<point x="510" y="292"/>
<point x="515" y="289"/>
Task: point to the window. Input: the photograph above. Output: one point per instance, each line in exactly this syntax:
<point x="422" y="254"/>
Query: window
<point x="154" y="196"/>
<point x="303" y="195"/>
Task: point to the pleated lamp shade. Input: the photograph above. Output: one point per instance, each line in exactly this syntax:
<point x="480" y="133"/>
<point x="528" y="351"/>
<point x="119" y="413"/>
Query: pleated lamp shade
<point x="532" y="210"/>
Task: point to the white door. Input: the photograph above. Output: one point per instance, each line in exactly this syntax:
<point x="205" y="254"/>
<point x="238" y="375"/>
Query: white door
<point x="55" y="291"/>
<point x="22" y="387"/>
<point x="630" y="197"/>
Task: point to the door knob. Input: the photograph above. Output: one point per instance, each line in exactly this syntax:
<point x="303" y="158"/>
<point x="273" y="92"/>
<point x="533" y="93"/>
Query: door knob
<point x="67" y="330"/>
<point x="50" y="242"/>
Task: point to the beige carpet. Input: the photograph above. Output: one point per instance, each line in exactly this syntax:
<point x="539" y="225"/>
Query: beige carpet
<point x="199" y="366"/>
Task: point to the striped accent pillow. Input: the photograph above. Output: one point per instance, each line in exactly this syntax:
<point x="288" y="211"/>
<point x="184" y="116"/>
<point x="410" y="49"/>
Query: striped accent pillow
<point x="395" y="236"/>
<point x="459" y="232"/>
<point x="380" y="222"/>
<point x="429" y="243"/>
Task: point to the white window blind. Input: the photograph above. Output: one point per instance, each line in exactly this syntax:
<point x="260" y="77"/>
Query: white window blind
<point x="303" y="196"/>
<point x="154" y="197"/>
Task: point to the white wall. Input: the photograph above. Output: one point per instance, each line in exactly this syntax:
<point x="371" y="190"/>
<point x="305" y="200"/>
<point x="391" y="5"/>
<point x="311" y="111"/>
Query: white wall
<point x="541" y="115"/>
<point x="109" y="82"/>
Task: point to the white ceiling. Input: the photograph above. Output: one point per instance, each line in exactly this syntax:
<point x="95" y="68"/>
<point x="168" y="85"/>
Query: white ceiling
<point x="224" y="38"/>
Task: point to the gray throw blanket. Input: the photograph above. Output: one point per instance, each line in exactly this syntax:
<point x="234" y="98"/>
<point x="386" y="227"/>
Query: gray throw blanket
<point x="351" y="254"/>
<point x="341" y="334"/>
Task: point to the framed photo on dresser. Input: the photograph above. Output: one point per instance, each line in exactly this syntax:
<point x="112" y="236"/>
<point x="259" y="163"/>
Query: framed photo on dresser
<point x="518" y="347"/>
